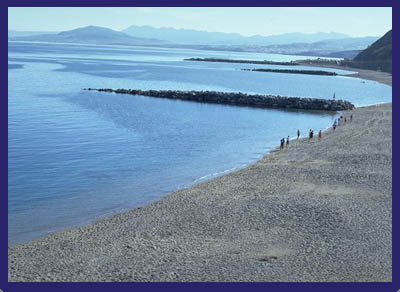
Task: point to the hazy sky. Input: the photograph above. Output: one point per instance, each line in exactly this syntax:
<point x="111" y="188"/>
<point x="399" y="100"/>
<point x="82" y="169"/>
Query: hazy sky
<point x="355" y="21"/>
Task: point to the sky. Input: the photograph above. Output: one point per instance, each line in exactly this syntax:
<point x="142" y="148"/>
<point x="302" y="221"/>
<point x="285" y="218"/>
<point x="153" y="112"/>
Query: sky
<point x="354" y="21"/>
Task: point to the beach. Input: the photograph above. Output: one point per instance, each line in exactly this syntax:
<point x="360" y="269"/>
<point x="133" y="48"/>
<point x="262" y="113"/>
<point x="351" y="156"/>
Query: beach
<point x="318" y="210"/>
<point x="378" y="76"/>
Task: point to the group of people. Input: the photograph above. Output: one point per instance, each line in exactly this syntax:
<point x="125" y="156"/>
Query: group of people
<point x="311" y="132"/>
<point x="283" y="141"/>
<point x="337" y="122"/>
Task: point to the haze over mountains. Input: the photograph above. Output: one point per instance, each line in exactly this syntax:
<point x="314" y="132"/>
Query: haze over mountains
<point x="197" y="37"/>
<point x="16" y="33"/>
<point x="345" y="47"/>
<point x="317" y="44"/>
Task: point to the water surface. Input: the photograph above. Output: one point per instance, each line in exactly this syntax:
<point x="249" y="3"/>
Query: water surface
<point x="76" y="156"/>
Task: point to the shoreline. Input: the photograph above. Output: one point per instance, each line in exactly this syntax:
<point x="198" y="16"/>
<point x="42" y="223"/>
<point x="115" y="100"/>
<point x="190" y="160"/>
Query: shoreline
<point x="265" y="222"/>
<point x="380" y="77"/>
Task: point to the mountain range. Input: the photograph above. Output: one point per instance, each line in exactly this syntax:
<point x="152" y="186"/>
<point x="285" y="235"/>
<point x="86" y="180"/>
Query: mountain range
<point x="321" y="44"/>
<point x="351" y="46"/>
<point x="197" y="37"/>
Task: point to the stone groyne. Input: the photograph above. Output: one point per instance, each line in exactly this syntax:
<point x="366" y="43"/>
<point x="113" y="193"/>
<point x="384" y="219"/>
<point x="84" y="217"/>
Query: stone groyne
<point x="265" y="62"/>
<point x="308" y="72"/>
<point x="240" y="99"/>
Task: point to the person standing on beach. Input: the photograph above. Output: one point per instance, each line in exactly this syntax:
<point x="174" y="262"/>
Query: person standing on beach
<point x="298" y="134"/>
<point x="282" y="143"/>
<point x="351" y="118"/>
<point x="319" y="135"/>
<point x="287" y="141"/>
<point x="334" y="125"/>
<point x="310" y="135"/>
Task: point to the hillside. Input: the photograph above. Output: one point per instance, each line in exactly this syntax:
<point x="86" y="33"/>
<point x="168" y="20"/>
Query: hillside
<point x="377" y="56"/>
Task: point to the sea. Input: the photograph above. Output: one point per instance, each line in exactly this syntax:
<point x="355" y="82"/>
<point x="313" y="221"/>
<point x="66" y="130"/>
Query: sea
<point x="76" y="156"/>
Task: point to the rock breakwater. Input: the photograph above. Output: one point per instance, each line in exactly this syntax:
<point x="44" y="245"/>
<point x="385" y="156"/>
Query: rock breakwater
<point x="264" y="62"/>
<point x="308" y="72"/>
<point x="240" y="99"/>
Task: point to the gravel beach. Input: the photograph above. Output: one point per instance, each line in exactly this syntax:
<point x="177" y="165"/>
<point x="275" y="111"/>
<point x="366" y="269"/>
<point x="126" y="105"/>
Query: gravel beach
<point x="318" y="210"/>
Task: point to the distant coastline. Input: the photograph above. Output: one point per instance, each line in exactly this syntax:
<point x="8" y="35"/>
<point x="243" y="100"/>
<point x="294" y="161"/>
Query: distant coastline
<point x="378" y="76"/>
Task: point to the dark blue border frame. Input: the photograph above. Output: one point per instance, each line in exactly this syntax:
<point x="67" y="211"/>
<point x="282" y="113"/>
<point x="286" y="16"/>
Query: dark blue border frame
<point x="199" y="3"/>
<point x="8" y="287"/>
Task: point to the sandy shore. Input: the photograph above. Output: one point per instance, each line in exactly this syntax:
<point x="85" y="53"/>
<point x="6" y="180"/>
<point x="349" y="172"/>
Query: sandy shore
<point x="315" y="211"/>
<point x="381" y="77"/>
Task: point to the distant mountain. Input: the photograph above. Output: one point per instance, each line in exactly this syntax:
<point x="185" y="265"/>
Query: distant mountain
<point x="91" y="35"/>
<point x="359" y="43"/>
<point x="377" y="56"/>
<point x="337" y="54"/>
<point x="297" y="37"/>
<point x="197" y="37"/>
<point x="318" y="44"/>
<point x="323" y="48"/>
<point x="343" y="48"/>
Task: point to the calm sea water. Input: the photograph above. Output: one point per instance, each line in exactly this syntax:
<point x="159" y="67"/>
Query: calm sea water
<point x="75" y="156"/>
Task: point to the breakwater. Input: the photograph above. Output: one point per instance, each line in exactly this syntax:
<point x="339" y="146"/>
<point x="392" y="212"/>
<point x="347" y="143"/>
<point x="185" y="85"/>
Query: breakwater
<point x="265" y="62"/>
<point x="308" y="72"/>
<point x="240" y="99"/>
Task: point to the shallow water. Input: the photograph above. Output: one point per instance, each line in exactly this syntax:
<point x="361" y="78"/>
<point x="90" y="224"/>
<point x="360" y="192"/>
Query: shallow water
<point x="76" y="156"/>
